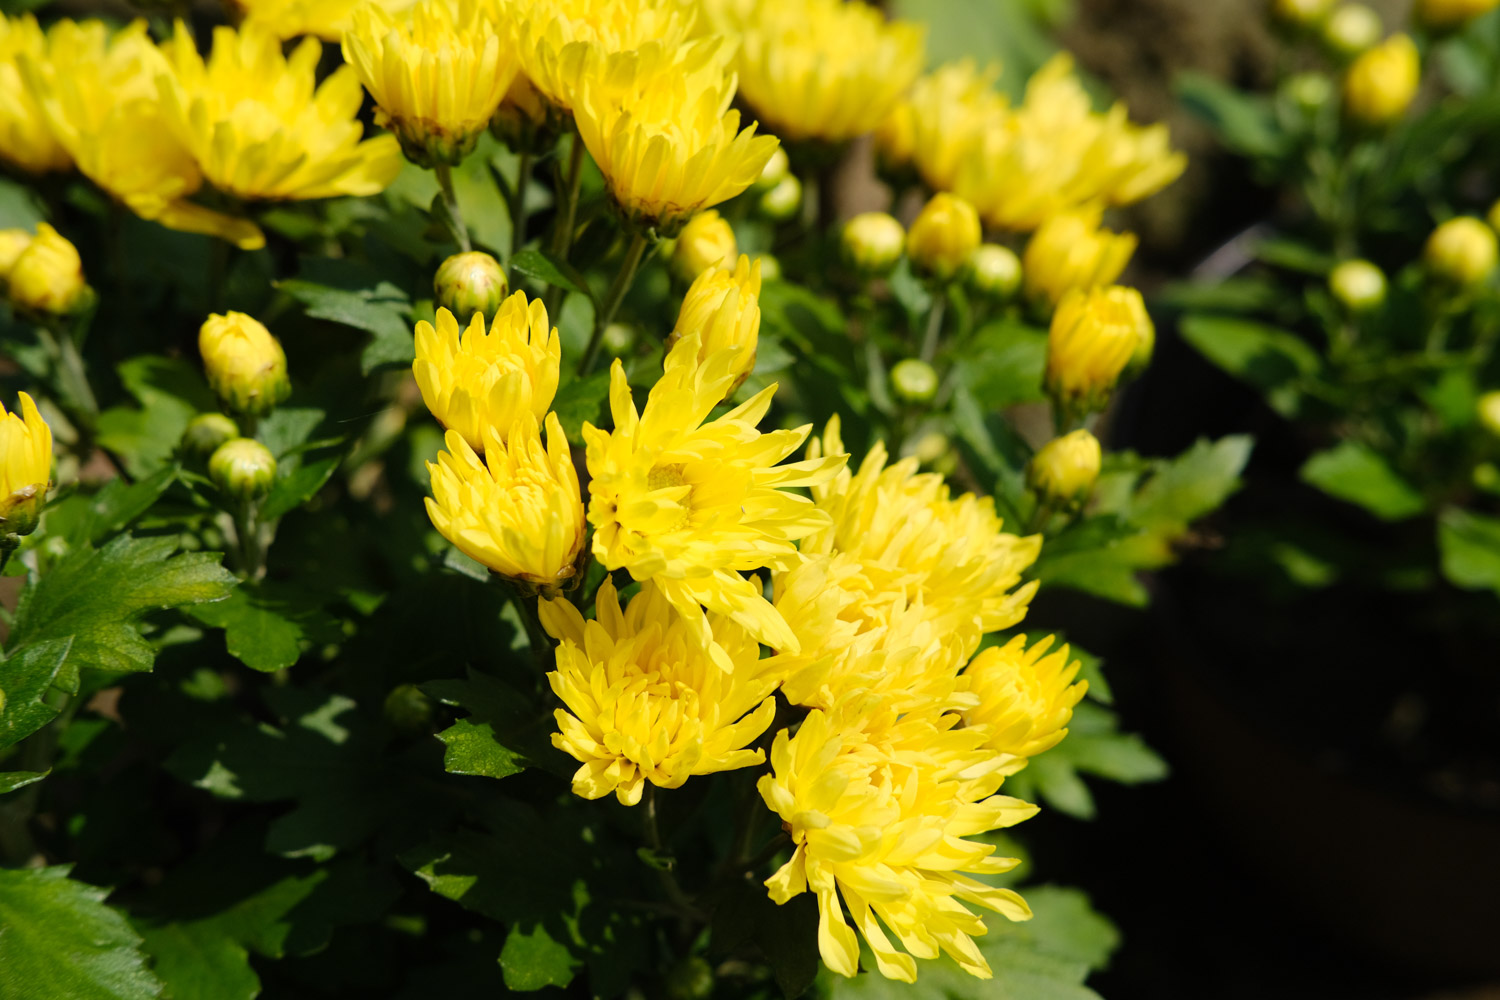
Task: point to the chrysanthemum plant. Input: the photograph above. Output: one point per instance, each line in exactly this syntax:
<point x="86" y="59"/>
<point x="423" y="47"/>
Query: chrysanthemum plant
<point x="594" y="612"/>
<point x="1367" y="312"/>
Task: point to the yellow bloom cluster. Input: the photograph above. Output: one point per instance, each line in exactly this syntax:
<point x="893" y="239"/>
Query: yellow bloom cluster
<point x="25" y="140"/>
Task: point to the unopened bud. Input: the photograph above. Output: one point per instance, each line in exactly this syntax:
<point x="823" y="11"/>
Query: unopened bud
<point x="872" y="242"/>
<point x="1304" y="14"/>
<point x="1066" y="468"/>
<point x="914" y="381"/>
<point x="705" y="241"/>
<point x="1487" y="477"/>
<point x="1489" y="412"/>
<point x="1309" y="92"/>
<point x="783" y="201"/>
<point x="207" y="431"/>
<point x="994" y="271"/>
<point x="943" y="235"/>
<point x="243" y="468"/>
<point x="47" y="276"/>
<point x="1461" y="252"/>
<point x="1358" y="285"/>
<point x="25" y="470"/>
<point x="932" y="448"/>
<point x="1351" y="29"/>
<point x="770" y="267"/>
<point x="1382" y="82"/>
<point x="245" y="365"/>
<point x="619" y="338"/>
<point x="1094" y="336"/>
<point x="777" y="167"/>
<point x="690" y="979"/>
<point x="469" y="283"/>
<point x="408" y="709"/>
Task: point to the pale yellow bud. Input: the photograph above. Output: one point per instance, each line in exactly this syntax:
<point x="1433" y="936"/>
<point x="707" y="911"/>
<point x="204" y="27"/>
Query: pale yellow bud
<point x="47" y="275"/>
<point x="872" y="242"/>
<point x="1358" y="285"/>
<point x="1310" y="92"/>
<point x="207" y="431"/>
<point x="1301" y="13"/>
<point x="1461" y="252"/>
<point x="782" y="202"/>
<point x="1064" y="471"/>
<point x="1071" y="251"/>
<point x="723" y="308"/>
<point x="1446" y="15"/>
<point x="12" y="242"/>
<point x="1094" y="335"/>
<point x="243" y="468"/>
<point x="245" y="365"/>
<point x="1352" y="29"/>
<point x="1382" y="83"/>
<point x="1489" y="412"/>
<point x="469" y="283"/>
<point x="776" y="168"/>
<point x="704" y="242"/>
<point x="994" y="271"/>
<point x="914" y="381"/>
<point x="943" y="236"/>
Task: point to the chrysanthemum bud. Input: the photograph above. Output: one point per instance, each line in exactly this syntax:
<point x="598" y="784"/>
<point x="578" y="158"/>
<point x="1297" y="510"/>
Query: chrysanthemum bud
<point x="776" y="168"/>
<point x="1489" y="412"/>
<point x="783" y="201"/>
<point x="207" y="431"/>
<point x="1486" y="476"/>
<point x="1310" y="92"/>
<point x="1461" y="252"/>
<point x="1071" y="250"/>
<point x="243" y="468"/>
<point x="1301" y="13"/>
<point x="47" y="275"/>
<point x="932" y="448"/>
<point x="1064" y="471"/>
<point x="1449" y="15"/>
<point x="1351" y="29"/>
<point x="723" y="309"/>
<point x="1093" y="337"/>
<point x="469" y="283"/>
<point x="25" y="470"/>
<point x="408" y="709"/>
<point x="770" y="267"/>
<point x="1358" y="285"/>
<point x="994" y="271"/>
<point x="245" y="365"/>
<point x="12" y="242"/>
<point x="914" y="381"/>
<point x="619" y="338"/>
<point x="690" y="979"/>
<point x="705" y="241"/>
<point x="872" y="242"/>
<point x="1383" y="82"/>
<point x="943" y="235"/>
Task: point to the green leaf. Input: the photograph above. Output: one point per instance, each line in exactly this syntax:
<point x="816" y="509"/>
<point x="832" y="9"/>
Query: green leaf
<point x="532" y="960"/>
<point x="1064" y="924"/>
<point x="1246" y="123"/>
<point x="549" y="270"/>
<point x="265" y="625"/>
<point x="170" y="392"/>
<point x="20" y="208"/>
<point x="199" y="960"/>
<point x="12" y="781"/>
<point x="59" y="939"/>
<point x="1269" y="358"/>
<point x="354" y="295"/>
<point x="26" y="677"/>
<point x="1061" y="788"/>
<point x="473" y="749"/>
<point x="579" y="400"/>
<point x="1470" y="546"/>
<point x="1360" y="475"/>
<point x="506" y="717"/>
<point x="1193" y="484"/>
<point x="297" y="487"/>
<point x="92" y="519"/>
<point x="97" y="598"/>
<point x="1294" y="256"/>
<point x="1003" y="364"/>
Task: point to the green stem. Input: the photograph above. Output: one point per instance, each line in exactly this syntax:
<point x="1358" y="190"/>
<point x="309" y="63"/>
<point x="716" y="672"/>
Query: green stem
<point x="567" y="214"/>
<point x="612" y="299"/>
<point x="455" y="219"/>
<point x="247" y="530"/>
<point x="934" y="326"/>
<point x="669" y="883"/>
<point x="518" y="204"/>
<point x="17" y="847"/>
<point x="73" y="387"/>
<point x="526" y="609"/>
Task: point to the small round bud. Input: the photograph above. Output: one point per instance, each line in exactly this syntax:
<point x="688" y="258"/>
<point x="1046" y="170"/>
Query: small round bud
<point x="690" y="979"/>
<point x="914" y="381"/>
<point x="408" y="709"/>
<point x="1489" y="412"/>
<point x="619" y="338"/>
<point x="1309" y="92"/>
<point x="12" y="243"/>
<point x="243" y="468"/>
<point x="1351" y="29"/>
<point x="207" y="431"/>
<point x="872" y="242"/>
<point x="1487" y="477"/>
<point x="47" y="276"/>
<point x="931" y="448"/>
<point x="1304" y="14"/>
<point x="1063" y="473"/>
<point x="1094" y="335"/>
<point x="782" y="202"/>
<point x="770" y="267"/>
<point x="1382" y="82"/>
<point x="1449" y="15"/>
<point x="1461" y="252"/>
<point x="776" y="168"/>
<point x="705" y="241"/>
<point x="469" y="283"/>
<point x="994" y="271"/>
<point x="944" y="234"/>
<point x="245" y="365"/>
<point x="1358" y="285"/>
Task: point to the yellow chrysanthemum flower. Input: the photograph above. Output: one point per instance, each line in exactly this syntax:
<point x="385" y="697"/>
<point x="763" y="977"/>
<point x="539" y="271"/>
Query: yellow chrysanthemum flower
<point x="476" y="381"/>
<point x="1072" y="250"/>
<point x="723" y="308"/>
<point x="825" y="70"/>
<point x="949" y="110"/>
<point x="245" y="365"/>
<point x="1025" y="696"/>
<point x="1094" y="335"/>
<point x="47" y="275"/>
<point x="657" y="121"/>
<point x="947" y="553"/>
<point x="880" y="821"/>
<point x="562" y="41"/>
<point x="13" y="243"/>
<point x="328" y="19"/>
<point x="26" y="141"/>
<point x="645" y="702"/>
<point x="1054" y="153"/>
<point x="25" y="467"/>
<point x="100" y="98"/>
<point x="517" y="509"/>
<point x="689" y="504"/>
<point x="437" y="73"/>
<point x="262" y="128"/>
